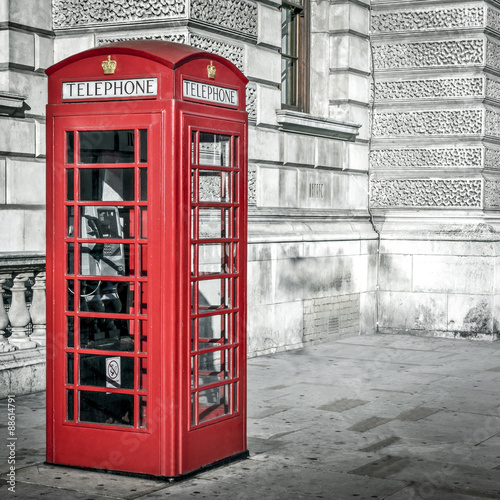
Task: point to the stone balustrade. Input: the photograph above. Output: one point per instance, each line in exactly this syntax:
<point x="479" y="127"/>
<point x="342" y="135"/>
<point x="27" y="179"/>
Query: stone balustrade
<point x="22" y="310"/>
<point x="22" y="324"/>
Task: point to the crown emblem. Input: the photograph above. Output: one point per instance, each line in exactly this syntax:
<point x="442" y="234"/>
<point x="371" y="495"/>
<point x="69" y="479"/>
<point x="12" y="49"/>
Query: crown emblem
<point x="211" y="70"/>
<point x="108" y="66"/>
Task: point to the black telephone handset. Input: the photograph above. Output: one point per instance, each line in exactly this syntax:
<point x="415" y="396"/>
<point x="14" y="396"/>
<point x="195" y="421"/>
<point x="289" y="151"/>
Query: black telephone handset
<point x="102" y="259"/>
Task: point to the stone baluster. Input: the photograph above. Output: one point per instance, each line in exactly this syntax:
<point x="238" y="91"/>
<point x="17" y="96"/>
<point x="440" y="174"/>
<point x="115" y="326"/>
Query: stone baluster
<point x="19" y="315"/>
<point x="37" y="310"/>
<point x="5" y="346"/>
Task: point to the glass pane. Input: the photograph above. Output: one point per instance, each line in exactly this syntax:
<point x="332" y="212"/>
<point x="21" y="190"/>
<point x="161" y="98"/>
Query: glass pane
<point x="143" y="333"/>
<point x="213" y="186"/>
<point x="70" y="368"/>
<point x="214" y="149"/>
<point x="106" y="222"/>
<point x="143" y="298"/>
<point x="105" y="259"/>
<point x="193" y="148"/>
<point x="70" y="222"/>
<point x="107" y="184"/>
<point x="213" y="294"/>
<point x="143" y="146"/>
<point x="143" y="255"/>
<point x="143" y="374"/>
<point x="213" y="403"/>
<point x="70" y="147"/>
<point x="143" y="222"/>
<point x="213" y="223"/>
<point x="143" y="405"/>
<point x="235" y="397"/>
<point x="106" y="408"/>
<point x="70" y="184"/>
<point x="70" y="252"/>
<point x="288" y="81"/>
<point x="143" y="180"/>
<point x="106" y="334"/>
<point x="70" y="330"/>
<point x="70" y="290"/>
<point x="106" y="297"/>
<point x="106" y="371"/>
<point x="213" y="367"/>
<point x="70" y="405"/>
<point x="107" y="146"/>
<point x="213" y="330"/>
<point x="288" y="31"/>
<point x="210" y="259"/>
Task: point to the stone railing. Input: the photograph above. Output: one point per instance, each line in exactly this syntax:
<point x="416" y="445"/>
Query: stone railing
<point x="22" y="304"/>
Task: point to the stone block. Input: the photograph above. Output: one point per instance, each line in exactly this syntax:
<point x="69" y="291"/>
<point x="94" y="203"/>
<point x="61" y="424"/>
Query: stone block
<point x="4" y="12"/>
<point x="331" y="248"/>
<point x="271" y="71"/>
<point x="44" y="52"/>
<point x="320" y="17"/>
<point x="17" y="136"/>
<point x="34" y="231"/>
<point x="25" y="182"/>
<point x="3" y="196"/>
<point x="349" y="51"/>
<point x="357" y="195"/>
<point x="268" y="187"/>
<point x="470" y="314"/>
<point x="22" y="48"/>
<point x="4" y="48"/>
<point x="298" y="150"/>
<point x="408" y="311"/>
<point x="274" y="327"/>
<point x="315" y="189"/>
<point x="357" y="156"/>
<point x="288" y="188"/>
<point x="330" y="153"/>
<point x="368" y="316"/>
<point x="12" y="224"/>
<point x="40" y="138"/>
<point x="319" y="71"/>
<point x="65" y="46"/>
<point x="305" y="278"/>
<point x="23" y="12"/>
<point x="453" y="274"/>
<point x="346" y="85"/>
<point x="268" y="18"/>
<point x="263" y="145"/>
<point x="339" y="17"/>
<point x="268" y="100"/>
<point x="439" y="247"/>
<point x="34" y="85"/>
<point x="395" y="272"/>
<point x="260" y="287"/>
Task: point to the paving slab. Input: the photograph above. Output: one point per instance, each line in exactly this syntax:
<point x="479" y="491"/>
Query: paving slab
<point x="392" y="417"/>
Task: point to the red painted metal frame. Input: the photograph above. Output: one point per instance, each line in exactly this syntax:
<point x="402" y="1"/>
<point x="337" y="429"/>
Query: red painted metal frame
<point x="170" y="446"/>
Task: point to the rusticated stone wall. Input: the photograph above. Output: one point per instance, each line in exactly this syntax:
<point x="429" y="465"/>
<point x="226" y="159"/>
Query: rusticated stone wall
<point x="434" y="163"/>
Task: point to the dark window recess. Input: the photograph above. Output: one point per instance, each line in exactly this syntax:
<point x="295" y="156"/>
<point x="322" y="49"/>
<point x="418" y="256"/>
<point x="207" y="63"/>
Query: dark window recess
<point x="295" y="35"/>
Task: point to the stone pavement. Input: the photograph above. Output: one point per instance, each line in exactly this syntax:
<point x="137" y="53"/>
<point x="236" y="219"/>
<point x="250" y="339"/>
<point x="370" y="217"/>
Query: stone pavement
<point x="370" y="417"/>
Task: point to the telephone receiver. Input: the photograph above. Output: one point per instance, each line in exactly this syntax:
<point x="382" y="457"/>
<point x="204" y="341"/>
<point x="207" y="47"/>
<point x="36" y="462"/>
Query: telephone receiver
<point x="102" y="259"/>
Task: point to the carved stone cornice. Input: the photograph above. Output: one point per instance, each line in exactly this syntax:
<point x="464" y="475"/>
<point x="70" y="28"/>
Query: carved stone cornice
<point x="302" y="123"/>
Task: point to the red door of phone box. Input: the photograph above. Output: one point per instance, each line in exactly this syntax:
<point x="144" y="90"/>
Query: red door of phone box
<point x="146" y="259"/>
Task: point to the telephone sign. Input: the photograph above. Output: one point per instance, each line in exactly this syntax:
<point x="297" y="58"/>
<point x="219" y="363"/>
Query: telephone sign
<point x="146" y="259"/>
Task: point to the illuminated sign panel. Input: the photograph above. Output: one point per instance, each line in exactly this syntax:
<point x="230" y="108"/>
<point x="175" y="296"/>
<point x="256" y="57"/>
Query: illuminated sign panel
<point x="210" y="93"/>
<point x="106" y="89"/>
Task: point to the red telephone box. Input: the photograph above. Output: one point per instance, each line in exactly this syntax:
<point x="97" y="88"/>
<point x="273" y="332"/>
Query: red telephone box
<point x="146" y="259"/>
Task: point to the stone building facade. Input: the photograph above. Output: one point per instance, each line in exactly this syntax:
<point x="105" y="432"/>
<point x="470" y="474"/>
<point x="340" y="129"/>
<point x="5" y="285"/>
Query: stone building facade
<point x="376" y="208"/>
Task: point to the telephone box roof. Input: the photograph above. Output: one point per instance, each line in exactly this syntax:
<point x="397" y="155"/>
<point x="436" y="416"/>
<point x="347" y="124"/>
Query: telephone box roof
<point x="170" y="54"/>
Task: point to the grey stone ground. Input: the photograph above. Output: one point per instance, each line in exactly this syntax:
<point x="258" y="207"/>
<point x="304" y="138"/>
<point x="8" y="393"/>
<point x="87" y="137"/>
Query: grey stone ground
<point x="370" y="417"/>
